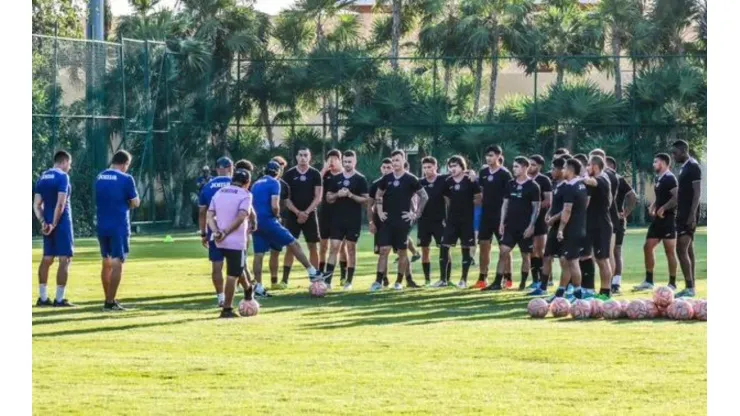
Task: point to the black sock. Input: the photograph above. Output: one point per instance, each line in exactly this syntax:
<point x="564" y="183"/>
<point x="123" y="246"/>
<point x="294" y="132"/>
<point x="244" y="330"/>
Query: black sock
<point x="689" y="283"/>
<point x="672" y="281"/>
<point x="507" y="276"/>
<point x="286" y="273"/>
<point x="379" y="277"/>
<point x="482" y="277"/>
<point x="536" y="266"/>
<point x="399" y="277"/>
<point x="543" y="281"/>
<point x="329" y="272"/>
<point x="466" y="260"/>
<point x="343" y="269"/>
<point x="587" y="273"/>
<point x="578" y="293"/>
<point x="649" y="277"/>
<point x="273" y="279"/>
<point x="525" y="275"/>
<point x="444" y="263"/>
<point x="497" y="280"/>
<point x="449" y="270"/>
<point x="560" y="292"/>
<point x="385" y="278"/>
<point x="350" y="274"/>
<point x="426" y="267"/>
<point x="606" y="292"/>
<point x="322" y="267"/>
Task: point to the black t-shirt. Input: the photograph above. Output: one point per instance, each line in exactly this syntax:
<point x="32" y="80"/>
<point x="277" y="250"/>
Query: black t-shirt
<point x="557" y="201"/>
<point x="435" y="209"/>
<point x="624" y="189"/>
<point x="545" y="185"/>
<point x="575" y="193"/>
<point x="493" y="185"/>
<point x="690" y="173"/>
<point x="520" y="196"/>
<point x="346" y="207"/>
<point x="614" y="188"/>
<point x="326" y="182"/>
<point x="284" y="195"/>
<point x="600" y="202"/>
<point x="302" y="186"/>
<point x="663" y="187"/>
<point x="461" y="195"/>
<point x="373" y="190"/>
<point x="398" y="192"/>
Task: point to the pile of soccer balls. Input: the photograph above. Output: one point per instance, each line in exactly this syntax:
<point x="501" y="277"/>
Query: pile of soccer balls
<point x="663" y="305"/>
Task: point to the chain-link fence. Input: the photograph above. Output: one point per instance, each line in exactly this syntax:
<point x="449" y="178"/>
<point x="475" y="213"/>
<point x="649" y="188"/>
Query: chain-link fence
<point x="176" y="110"/>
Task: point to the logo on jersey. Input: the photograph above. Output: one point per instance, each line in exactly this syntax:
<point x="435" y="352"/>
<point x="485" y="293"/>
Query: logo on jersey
<point x="457" y="186"/>
<point x="396" y="183"/>
<point x="431" y="185"/>
<point x="346" y="182"/>
<point x="519" y="187"/>
<point x="490" y="178"/>
<point x="303" y="178"/>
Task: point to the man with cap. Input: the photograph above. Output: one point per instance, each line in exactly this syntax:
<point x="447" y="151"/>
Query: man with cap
<point x="204" y="178"/>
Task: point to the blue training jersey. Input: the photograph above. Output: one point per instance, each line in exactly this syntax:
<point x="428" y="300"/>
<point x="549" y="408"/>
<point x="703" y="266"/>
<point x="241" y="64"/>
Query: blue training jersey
<point x="210" y="189"/>
<point x="113" y="191"/>
<point x="262" y="192"/>
<point x="51" y="183"/>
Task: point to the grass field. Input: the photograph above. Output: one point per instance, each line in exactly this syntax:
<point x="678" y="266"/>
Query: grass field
<point x="441" y="351"/>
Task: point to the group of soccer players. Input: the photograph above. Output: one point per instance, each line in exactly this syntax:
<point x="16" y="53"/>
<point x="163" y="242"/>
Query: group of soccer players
<point x="575" y="213"/>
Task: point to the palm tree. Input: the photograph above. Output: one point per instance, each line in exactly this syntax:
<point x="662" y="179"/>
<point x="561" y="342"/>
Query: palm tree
<point x="438" y="36"/>
<point x="619" y="17"/>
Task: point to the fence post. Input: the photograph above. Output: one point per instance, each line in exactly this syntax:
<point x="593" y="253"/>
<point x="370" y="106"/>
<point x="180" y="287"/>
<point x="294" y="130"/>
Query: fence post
<point x="54" y="98"/>
<point x="149" y="143"/>
<point x="238" y="94"/>
<point x="536" y="108"/>
<point x="123" y="92"/>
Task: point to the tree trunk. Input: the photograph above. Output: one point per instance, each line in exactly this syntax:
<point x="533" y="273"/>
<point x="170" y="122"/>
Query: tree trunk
<point x="478" y="84"/>
<point x="265" y="119"/>
<point x="561" y="75"/>
<point x="448" y="78"/>
<point x="494" y="80"/>
<point x="617" y="51"/>
<point x="395" y="33"/>
<point x="641" y="200"/>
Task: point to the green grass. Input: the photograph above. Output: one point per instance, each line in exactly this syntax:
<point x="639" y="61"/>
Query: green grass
<point x="416" y="352"/>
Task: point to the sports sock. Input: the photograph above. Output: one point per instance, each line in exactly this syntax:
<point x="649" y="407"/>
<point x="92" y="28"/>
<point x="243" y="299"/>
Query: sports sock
<point x="649" y="277"/>
<point x="689" y="283"/>
<point x="482" y="277"/>
<point x="385" y="278"/>
<point x="322" y="266"/>
<point x="221" y="297"/>
<point x="578" y="292"/>
<point x="466" y="261"/>
<point x="42" y="292"/>
<point x="507" y="276"/>
<point x="427" y="269"/>
<point x="444" y="263"/>
<point x="560" y="292"/>
<point x="449" y="269"/>
<point x="329" y="273"/>
<point x="399" y="277"/>
<point x="605" y="292"/>
<point x="286" y="273"/>
<point x="543" y="281"/>
<point x="588" y="273"/>
<point x="311" y="270"/>
<point x="343" y="270"/>
<point x="672" y="281"/>
<point x="350" y="274"/>
<point x="379" y="277"/>
<point x="523" y="282"/>
<point x="497" y="280"/>
<point x="617" y="279"/>
<point x="536" y="267"/>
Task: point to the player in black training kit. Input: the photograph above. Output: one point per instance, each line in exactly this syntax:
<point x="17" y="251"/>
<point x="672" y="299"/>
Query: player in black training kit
<point x="626" y="201"/>
<point x="572" y="228"/>
<point x="305" y="196"/>
<point x="374" y="222"/>
<point x="614" y="188"/>
<point x="326" y="212"/>
<point x="663" y="227"/>
<point x="518" y="217"/>
<point x="393" y="203"/>
<point x="493" y="180"/>
<point x="540" y="229"/>
<point x="348" y="193"/>
<point x="461" y="195"/>
<point x="687" y="213"/>
<point x="431" y="224"/>
<point x="599" y="228"/>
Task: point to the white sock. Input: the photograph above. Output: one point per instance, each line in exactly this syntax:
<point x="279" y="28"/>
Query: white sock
<point x="312" y="270"/>
<point x="617" y="279"/>
<point x="221" y="297"/>
<point x="60" y="293"/>
<point x="259" y="289"/>
<point x="42" y="292"/>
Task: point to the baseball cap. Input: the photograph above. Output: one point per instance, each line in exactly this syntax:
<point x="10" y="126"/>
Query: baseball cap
<point x="272" y="167"/>
<point x="241" y="176"/>
<point x="224" y="162"/>
<point x="205" y="168"/>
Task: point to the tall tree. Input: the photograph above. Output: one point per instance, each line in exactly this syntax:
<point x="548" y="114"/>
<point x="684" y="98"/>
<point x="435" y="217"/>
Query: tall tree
<point x="619" y="18"/>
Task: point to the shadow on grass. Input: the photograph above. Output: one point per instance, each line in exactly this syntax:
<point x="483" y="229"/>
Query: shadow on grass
<point x="118" y="328"/>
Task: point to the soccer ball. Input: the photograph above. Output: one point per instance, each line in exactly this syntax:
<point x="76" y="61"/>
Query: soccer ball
<point x="652" y="309"/>
<point x="317" y="289"/>
<point x="249" y="307"/>
<point x="700" y="310"/>
<point x="663" y="296"/>
<point x="625" y="303"/>
<point x="560" y="307"/>
<point x="581" y="309"/>
<point x="538" y="308"/>
<point x="612" y="309"/>
<point x="682" y="310"/>
<point x="597" y="308"/>
<point x="637" y="310"/>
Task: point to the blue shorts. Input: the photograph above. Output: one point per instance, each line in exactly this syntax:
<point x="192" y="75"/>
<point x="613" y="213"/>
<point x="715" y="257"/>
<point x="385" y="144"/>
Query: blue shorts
<point x="476" y="217"/>
<point x="214" y="253"/>
<point x="270" y="235"/>
<point x="113" y="246"/>
<point x="61" y="242"/>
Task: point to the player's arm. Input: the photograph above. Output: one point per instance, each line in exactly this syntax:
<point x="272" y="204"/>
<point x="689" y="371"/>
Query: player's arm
<point x="211" y="220"/>
<point x="133" y="196"/>
<point x="38" y="209"/>
<point x="360" y="199"/>
<point x="589" y="181"/>
<point x="478" y="198"/>
<point x="423" y="199"/>
<point x="504" y="210"/>
<point x="672" y="203"/>
<point x="630" y="202"/>
<point x="696" y="185"/>
<point x="317" y="190"/>
<point x="291" y="207"/>
<point x="331" y="197"/>
<point x="241" y="216"/>
<point x="547" y="202"/>
<point x="275" y="205"/>
<point x="379" y="204"/>
<point x="59" y="208"/>
<point x="564" y="218"/>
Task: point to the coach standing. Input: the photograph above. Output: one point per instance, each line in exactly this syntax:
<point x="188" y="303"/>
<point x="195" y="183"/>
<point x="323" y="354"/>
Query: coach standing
<point x="115" y="194"/>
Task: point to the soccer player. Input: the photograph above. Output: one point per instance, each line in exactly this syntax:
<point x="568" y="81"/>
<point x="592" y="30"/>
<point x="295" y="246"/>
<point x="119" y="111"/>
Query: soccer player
<point x="393" y="203"/>
<point x="614" y="188"/>
<point x="348" y="193"/>
<point x="663" y="227"/>
<point x="599" y="229"/>
<point x="305" y="196"/>
<point x="552" y="219"/>
<point x="587" y="265"/>
<point x="540" y="229"/>
<point x="493" y="180"/>
<point x="115" y="194"/>
<point x="224" y="171"/>
<point x="52" y="209"/>
<point x="275" y="252"/>
<point x="204" y="178"/>
<point x="374" y="222"/>
<point x="687" y="213"/>
<point x="432" y="221"/>
<point x="626" y="202"/>
<point x="518" y="217"/>
<point x="572" y="228"/>
<point x="227" y="218"/>
<point x="461" y="195"/>
<point x="558" y="153"/>
<point x="270" y="234"/>
<point x="332" y="167"/>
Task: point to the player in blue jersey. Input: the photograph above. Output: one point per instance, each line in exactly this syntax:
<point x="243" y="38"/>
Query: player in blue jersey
<point x="52" y="209"/>
<point x="270" y="234"/>
<point x="115" y="194"/>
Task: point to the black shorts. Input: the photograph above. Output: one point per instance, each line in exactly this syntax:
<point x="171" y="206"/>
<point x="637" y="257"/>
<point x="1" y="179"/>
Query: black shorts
<point x="571" y="248"/>
<point x="326" y="219"/>
<point x="236" y="261"/>
<point x="394" y="233"/>
<point x="428" y="230"/>
<point x="598" y="241"/>
<point x="619" y="237"/>
<point x="310" y="228"/>
<point x="513" y="238"/>
<point x="489" y="227"/>
<point x="662" y="229"/>
<point x="540" y="227"/>
<point x="342" y="229"/>
<point x="463" y="231"/>
<point x="682" y="228"/>
<point x="620" y="227"/>
<point x="552" y="245"/>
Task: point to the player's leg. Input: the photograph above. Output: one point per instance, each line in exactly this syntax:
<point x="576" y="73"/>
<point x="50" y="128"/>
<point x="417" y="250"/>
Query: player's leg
<point x="538" y="253"/>
<point x="217" y="266"/>
<point x="575" y="273"/>
<point x="257" y="272"/>
<point x="62" y="276"/>
<point x="648" y="251"/>
<point x="617" y="279"/>
<point x="331" y="261"/>
<point x="444" y="260"/>
<point x="565" y="278"/>
<point x="602" y="252"/>
<point x="669" y="245"/>
<point x="504" y="253"/>
<point x="526" y="247"/>
<point x="274" y="263"/>
<point x="291" y="224"/>
<point x="351" y="263"/>
<point x="467" y="240"/>
<point x="605" y="273"/>
<point x="403" y="264"/>
<point x="343" y="262"/>
<point x="235" y="264"/>
<point x="43" y="274"/>
<point x="426" y="265"/>
<point x="682" y="250"/>
<point x="484" y="259"/>
<point x="415" y="255"/>
<point x="323" y="252"/>
<point x="382" y="267"/>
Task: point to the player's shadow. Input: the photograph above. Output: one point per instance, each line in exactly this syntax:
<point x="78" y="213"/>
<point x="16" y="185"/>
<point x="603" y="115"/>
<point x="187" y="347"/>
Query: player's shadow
<point x="111" y="328"/>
